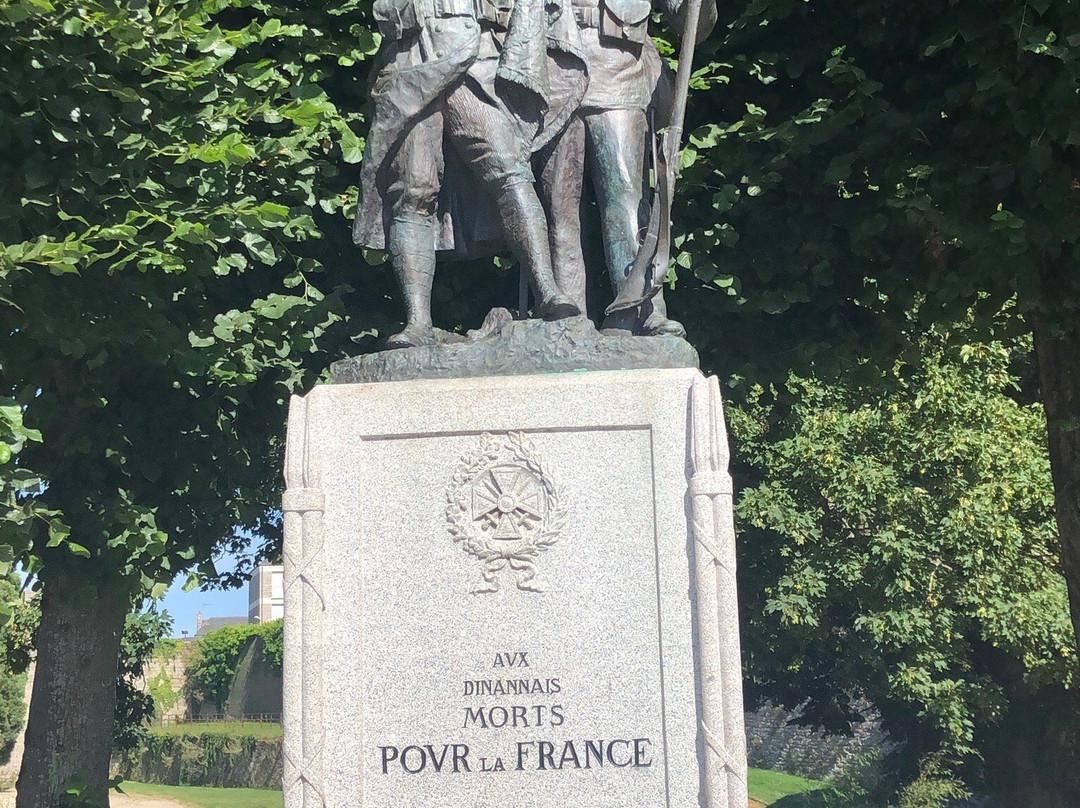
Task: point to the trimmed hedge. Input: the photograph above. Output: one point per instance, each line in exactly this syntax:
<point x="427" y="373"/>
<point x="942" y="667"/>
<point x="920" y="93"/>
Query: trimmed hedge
<point x="220" y="759"/>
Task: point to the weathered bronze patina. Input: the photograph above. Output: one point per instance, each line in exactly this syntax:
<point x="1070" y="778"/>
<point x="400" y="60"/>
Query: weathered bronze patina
<point x="470" y="97"/>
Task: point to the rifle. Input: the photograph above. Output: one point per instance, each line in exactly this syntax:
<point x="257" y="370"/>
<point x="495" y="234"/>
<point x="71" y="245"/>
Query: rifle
<point x="647" y="273"/>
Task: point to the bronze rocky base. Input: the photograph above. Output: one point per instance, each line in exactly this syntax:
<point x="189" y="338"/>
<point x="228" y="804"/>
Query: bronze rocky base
<point x="507" y="347"/>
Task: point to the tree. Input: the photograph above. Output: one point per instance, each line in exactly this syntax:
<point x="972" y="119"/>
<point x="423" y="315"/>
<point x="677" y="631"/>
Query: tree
<point x="167" y="169"/>
<point x="898" y="544"/>
<point x="174" y="263"/>
<point x="143" y="631"/>
<point x="875" y="158"/>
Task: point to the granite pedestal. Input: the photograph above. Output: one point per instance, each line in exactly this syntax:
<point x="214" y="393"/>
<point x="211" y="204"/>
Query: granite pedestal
<point x="512" y="591"/>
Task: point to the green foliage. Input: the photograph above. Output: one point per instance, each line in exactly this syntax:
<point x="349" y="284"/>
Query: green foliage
<point x="859" y="172"/>
<point x="858" y="787"/>
<point x="18" y="634"/>
<point x="174" y="263"/>
<point x="899" y="543"/>
<point x="12" y="710"/>
<point x="135" y="707"/>
<point x="162" y="693"/>
<point x="936" y="785"/>
<point x="173" y="254"/>
<point x="77" y="793"/>
<point x="13" y="663"/>
<point x="167" y="649"/>
<point x="170" y="169"/>
<point x="143" y="635"/>
<point x="851" y="162"/>
<point x="18" y="488"/>
<point x="19" y="623"/>
<point x="261" y="730"/>
<point x="213" y="662"/>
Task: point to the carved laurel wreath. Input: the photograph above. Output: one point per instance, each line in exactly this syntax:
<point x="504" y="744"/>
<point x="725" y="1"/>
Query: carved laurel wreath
<point x="504" y="508"/>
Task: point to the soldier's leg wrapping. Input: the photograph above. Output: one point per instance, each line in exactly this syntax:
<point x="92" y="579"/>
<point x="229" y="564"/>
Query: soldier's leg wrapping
<point x="490" y="145"/>
<point x="562" y="173"/>
<point x="617" y="140"/>
<point x="617" y="144"/>
<point x="412" y="196"/>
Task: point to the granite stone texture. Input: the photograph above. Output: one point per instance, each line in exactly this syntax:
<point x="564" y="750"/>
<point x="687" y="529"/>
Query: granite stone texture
<point x="512" y="591"/>
<point x="505" y="347"/>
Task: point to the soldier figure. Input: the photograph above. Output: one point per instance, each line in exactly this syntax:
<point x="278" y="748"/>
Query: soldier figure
<point x="610" y="133"/>
<point x="492" y="80"/>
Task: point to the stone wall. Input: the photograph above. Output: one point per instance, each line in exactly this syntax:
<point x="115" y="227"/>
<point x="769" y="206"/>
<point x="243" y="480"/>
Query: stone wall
<point x="163" y="678"/>
<point x="774" y="741"/>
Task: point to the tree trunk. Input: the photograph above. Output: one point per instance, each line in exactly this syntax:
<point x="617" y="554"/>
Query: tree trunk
<point x="1058" y="358"/>
<point x="69" y="731"/>
<point x="1034" y="755"/>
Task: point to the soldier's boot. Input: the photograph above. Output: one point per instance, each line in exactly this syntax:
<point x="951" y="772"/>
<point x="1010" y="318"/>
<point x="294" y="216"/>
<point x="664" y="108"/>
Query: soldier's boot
<point x="620" y="323"/>
<point x="656" y="322"/>
<point x="412" y="253"/>
<point x="524" y="223"/>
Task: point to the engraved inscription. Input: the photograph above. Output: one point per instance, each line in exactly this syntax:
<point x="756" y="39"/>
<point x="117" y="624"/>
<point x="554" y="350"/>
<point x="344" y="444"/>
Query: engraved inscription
<point x="584" y="752"/>
<point x="504" y="508"/>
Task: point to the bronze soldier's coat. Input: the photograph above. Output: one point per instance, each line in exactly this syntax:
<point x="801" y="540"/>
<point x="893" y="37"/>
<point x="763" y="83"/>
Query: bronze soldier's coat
<point x="430" y="46"/>
<point x="629" y="97"/>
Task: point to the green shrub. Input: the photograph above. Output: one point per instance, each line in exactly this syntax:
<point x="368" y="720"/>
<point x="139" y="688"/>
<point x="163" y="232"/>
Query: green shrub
<point x="260" y="730"/>
<point x="167" y="649"/>
<point x="18" y="635"/>
<point x="160" y="690"/>
<point x="134" y="708"/>
<point x="12" y="710"/>
<point x="936" y="785"/>
<point x="18" y="625"/>
<point x="213" y="661"/>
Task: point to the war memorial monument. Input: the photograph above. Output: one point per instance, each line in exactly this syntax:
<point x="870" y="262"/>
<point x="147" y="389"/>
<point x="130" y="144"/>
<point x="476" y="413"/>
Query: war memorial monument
<point x="509" y="556"/>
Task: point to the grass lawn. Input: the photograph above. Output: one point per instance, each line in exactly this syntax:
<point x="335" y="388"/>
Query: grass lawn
<point x="208" y="797"/>
<point x="765" y="786"/>
<point x="768" y="786"/>
<point x="255" y="728"/>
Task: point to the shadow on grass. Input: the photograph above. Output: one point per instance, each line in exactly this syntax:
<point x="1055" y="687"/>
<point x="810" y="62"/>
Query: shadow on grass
<point x="819" y="798"/>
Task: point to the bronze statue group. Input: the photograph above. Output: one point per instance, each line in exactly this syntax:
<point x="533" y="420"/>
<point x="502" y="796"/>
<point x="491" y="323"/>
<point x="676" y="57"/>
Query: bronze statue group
<point x="488" y="117"/>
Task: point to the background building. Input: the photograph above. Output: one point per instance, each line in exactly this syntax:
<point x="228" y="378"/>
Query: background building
<point x="205" y="626"/>
<point x="266" y="593"/>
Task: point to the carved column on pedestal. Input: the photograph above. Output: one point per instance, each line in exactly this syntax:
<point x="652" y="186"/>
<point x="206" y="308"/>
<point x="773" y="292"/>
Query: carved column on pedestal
<point x="723" y="736"/>
<point x="302" y="506"/>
